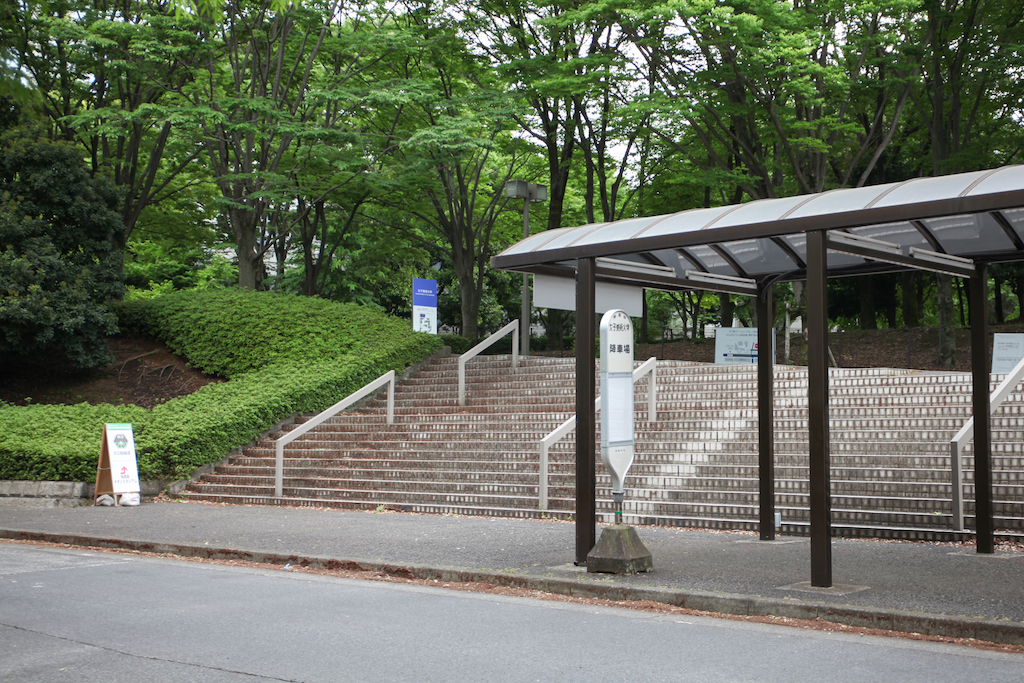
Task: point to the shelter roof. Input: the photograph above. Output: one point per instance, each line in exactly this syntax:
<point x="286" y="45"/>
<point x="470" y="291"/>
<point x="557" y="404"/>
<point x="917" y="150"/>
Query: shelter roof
<point x="977" y="215"/>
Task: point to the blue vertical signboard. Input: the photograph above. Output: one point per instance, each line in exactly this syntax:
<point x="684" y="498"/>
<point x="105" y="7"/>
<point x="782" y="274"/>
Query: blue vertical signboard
<point x="424" y="305"/>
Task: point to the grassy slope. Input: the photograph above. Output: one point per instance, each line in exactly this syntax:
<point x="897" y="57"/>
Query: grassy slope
<point x="282" y="355"/>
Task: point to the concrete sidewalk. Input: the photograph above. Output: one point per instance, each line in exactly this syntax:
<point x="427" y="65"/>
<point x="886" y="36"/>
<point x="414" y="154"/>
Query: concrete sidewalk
<point x="939" y="589"/>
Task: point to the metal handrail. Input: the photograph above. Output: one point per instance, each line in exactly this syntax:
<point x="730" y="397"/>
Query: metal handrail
<point x="387" y="378"/>
<point x="649" y="366"/>
<point x="473" y="352"/>
<point x="966" y="433"/>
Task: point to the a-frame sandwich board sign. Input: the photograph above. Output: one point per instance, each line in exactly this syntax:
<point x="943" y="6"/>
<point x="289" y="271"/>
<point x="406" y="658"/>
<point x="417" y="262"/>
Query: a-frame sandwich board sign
<point x="117" y="472"/>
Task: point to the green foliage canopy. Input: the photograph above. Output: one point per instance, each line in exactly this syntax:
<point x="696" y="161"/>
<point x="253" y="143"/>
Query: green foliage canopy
<point x="60" y="242"/>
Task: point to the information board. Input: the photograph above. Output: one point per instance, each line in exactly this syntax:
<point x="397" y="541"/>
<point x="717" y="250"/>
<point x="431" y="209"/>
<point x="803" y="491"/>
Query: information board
<point x="424" y="305"/>
<point x="617" y="447"/>
<point x="736" y="345"/>
<point x="1007" y="351"/>
<point x="118" y="469"/>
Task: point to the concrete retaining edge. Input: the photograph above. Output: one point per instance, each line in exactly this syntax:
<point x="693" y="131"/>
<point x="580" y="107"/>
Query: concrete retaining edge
<point x="583" y="587"/>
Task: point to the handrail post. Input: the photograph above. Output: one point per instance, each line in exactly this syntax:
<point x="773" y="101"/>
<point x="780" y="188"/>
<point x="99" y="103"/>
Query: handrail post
<point x="966" y="433"/>
<point x="387" y="378"/>
<point x="462" y="381"/>
<point x="958" y="488"/>
<point x="652" y="394"/>
<point x="515" y="346"/>
<point x="391" y="401"/>
<point x="543" y="475"/>
<point x="473" y="352"/>
<point x="649" y="368"/>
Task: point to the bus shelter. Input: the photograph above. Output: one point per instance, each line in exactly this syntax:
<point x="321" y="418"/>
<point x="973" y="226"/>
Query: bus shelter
<point x="956" y="225"/>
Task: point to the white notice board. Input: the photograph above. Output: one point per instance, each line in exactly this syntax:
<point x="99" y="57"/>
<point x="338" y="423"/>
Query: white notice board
<point x="118" y="469"/>
<point x="1007" y="351"/>
<point x="736" y="345"/>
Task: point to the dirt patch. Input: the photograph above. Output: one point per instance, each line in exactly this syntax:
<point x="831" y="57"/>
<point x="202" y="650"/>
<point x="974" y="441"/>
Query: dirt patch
<point x="145" y="373"/>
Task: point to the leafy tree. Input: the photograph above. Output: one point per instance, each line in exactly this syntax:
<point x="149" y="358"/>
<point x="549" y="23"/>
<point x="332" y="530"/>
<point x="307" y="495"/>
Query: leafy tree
<point x="60" y="242"/>
<point x="278" y="80"/>
<point x="969" y="102"/>
<point x="452" y="154"/>
<point x="107" y="73"/>
<point x="781" y="99"/>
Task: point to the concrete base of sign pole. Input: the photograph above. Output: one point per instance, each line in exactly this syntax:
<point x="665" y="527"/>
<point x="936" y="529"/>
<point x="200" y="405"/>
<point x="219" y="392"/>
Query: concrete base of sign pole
<point x="619" y="551"/>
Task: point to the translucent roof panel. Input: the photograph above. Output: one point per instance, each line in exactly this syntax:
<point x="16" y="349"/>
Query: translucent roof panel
<point x="571" y="236"/>
<point x="760" y="257"/>
<point x="670" y="257"/>
<point x="1016" y="219"/>
<point x="684" y="221"/>
<point x="759" y="211"/>
<point x="957" y="213"/>
<point x="835" y="259"/>
<point x="539" y="241"/>
<point x="972" y="234"/>
<point x="1005" y="179"/>
<point x="928" y="189"/>
<point x="612" y="232"/>
<point x="837" y="201"/>
<point x="712" y="261"/>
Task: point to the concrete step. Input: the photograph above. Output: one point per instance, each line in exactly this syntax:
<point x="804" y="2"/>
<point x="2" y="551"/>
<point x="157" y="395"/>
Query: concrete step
<point x="697" y="465"/>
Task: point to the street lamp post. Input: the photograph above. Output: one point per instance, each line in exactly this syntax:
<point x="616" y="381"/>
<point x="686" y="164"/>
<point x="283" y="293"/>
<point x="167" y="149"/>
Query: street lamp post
<point x="528" y="192"/>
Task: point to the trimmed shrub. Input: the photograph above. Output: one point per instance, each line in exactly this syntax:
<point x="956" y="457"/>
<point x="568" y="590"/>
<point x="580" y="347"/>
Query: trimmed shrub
<point x="459" y="345"/>
<point x="59" y="443"/>
<point x="227" y="332"/>
<point x="298" y="366"/>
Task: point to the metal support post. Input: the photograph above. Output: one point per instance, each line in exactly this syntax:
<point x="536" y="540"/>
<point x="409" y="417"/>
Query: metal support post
<point x="524" y="319"/>
<point x="586" y="421"/>
<point x="982" y="411"/>
<point x="817" y="410"/>
<point x="766" y="412"/>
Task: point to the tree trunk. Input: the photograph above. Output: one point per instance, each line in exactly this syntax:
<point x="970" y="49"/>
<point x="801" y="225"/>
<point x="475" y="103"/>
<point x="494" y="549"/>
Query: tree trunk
<point x="960" y="300"/>
<point x="727" y="309"/>
<point x="470" y="304"/>
<point x="868" y="314"/>
<point x="911" y="314"/>
<point x="947" y="336"/>
<point x="243" y="224"/>
<point x="997" y="289"/>
<point x="889" y="298"/>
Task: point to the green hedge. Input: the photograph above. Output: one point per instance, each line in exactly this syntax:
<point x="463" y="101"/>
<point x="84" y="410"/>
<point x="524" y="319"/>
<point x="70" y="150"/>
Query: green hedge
<point x="298" y="366"/>
<point x="57" y="443"/>
<point x="227" y="332"/>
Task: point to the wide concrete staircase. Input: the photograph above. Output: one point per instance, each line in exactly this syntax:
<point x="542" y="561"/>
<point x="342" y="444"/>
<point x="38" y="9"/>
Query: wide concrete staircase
<point x="695" y="466"/>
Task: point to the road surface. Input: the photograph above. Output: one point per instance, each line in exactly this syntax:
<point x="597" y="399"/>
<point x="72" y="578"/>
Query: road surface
<point x="76" y="615"/>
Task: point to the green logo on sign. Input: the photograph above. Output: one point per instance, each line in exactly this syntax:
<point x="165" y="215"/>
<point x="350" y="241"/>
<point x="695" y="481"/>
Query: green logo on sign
<point x="120" y="440"/>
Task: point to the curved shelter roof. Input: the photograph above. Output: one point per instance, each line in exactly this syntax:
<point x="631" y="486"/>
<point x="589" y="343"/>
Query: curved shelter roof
<point x="977" y="215"/>
<point x="951" y="224"/>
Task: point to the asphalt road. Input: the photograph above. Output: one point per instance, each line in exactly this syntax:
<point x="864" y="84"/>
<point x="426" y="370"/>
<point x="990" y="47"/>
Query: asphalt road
<point x="74" y="615"/>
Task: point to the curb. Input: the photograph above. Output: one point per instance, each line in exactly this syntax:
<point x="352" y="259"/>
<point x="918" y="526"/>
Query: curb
<point x="725" y="603"/>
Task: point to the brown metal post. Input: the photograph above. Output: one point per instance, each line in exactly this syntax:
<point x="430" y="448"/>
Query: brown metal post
<point x="981" y="401"/>
<point x="586" y="421"/>
<point x="524" y="316"/>
<point x="817" y="410"/>
<point x="766" y="412"/>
